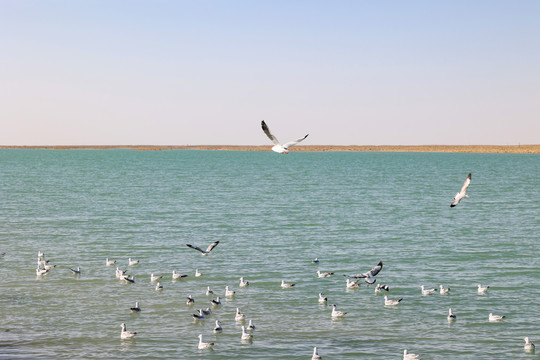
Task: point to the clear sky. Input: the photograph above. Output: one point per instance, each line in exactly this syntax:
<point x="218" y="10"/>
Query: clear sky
<point x="207" y="72"/>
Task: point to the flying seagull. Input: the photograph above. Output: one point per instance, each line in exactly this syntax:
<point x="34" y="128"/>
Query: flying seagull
<point x="203" y="252"/>
<point x="369" y="276"/>
<point x="279" y="148"/>
<point x="461" y="194"/>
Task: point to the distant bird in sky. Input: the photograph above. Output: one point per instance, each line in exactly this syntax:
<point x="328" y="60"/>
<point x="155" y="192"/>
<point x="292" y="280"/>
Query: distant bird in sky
<point x="208" y="249"/>
<point x="461" y="194"/>
<point x="279" y="148"/>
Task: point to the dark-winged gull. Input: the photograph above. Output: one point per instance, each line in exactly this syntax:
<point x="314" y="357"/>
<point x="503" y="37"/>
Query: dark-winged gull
<point x="208" y="249"/>
<point x="279" y="148"/>
<point x="369" y="276"/>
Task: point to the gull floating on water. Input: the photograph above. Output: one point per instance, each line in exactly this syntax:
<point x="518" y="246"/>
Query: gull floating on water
<point x="369" y="276"/>
<point x="197" y="273"/>
<point x="76" y="271"/>
<point x="109" y="262"/>
<point x="40" y="254"/>
<point x="41" y="271"/>
<point x="391" y="302"/>
<point x="239" y="316"/>
<point x="245" y="334"/>
<point x="155" y="278"/>
<point x="177" y="276"/>
<point x="352" y="284"/>
<point x="251" y="326"/>
<point x="206" y="311"/>
<point x="229" y="292"/>
<point x="410" y="356"/>
<point x="208" y="249"/>
<point x="286" y="285"/>
<point x="136" y="308"/>
<point x="495" y="317"/>
<point x="204" y="345"/>
<point x="190" y="300"/>
<point x="315" y="261"/>
<point x="243" y="283"/>
<point x="529" y="345"/>
<point x="120" y="273"/>
<point x="443" y="290"/>
<point x="127" y="278"/>
<point x="316" y="355"/>
<point x="322" y="299"/>
<point x="279" y="148"/>
<point x="159" y="287"/>
<point x="324" y="274"/>
<point x="199" y="316"/>
<point x="209" y="291"/>
<point x="482" y="289"/>
<point x="132" y="262"/>
<point x="336" y="313"/>
<point x="216" y="302"/>
<point x="451" y="316"/>
<point x="461" y="194"/>
<point x="380" y="287"/>
<point x="126" y="334"/>
<point x="218" y="327"/>
<point x="426" y="291"/>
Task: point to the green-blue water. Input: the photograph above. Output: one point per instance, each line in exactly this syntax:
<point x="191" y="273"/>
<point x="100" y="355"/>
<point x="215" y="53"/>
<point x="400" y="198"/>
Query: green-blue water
<point x="272" y="215"/>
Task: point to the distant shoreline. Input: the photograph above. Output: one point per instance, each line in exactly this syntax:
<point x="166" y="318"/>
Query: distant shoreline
<point x="508" y="149"/>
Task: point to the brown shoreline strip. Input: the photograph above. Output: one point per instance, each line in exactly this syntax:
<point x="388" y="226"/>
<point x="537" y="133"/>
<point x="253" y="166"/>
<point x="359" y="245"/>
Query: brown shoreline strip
<point x="509" y="149"/>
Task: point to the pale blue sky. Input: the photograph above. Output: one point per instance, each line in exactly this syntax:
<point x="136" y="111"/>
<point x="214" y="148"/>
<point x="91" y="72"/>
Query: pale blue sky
<point x="207" y="72"/>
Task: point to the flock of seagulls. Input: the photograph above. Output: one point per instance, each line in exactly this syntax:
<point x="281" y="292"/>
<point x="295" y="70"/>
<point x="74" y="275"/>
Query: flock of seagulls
<point x="369" y="277"/>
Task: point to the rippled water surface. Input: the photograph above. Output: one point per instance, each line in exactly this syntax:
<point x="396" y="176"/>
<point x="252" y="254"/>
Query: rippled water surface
<point x="272" y="215"/>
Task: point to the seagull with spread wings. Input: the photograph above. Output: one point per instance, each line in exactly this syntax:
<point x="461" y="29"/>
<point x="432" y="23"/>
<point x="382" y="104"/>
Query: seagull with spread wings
<point x="461" y="194"/>
<point x="369" y="276"/>
<point x="207" y="251"/>
<point x="279" y="148"/>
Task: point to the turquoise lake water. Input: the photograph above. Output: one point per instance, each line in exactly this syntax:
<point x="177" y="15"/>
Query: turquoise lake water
<point x="272" y="215"/>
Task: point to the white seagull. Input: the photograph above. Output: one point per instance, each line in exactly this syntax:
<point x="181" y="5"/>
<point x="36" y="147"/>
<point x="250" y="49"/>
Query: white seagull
<point x="155" y="278"/>
<point x="322" y="299"/>
<point x="229" y="292"/>
<point x="199" y="316"/>
<point x="126" y="334"/>
<point x="529" y="345"/>
<point x="461" y="194"/>
<point x="239" y="316"/>
<point x="132" y="262"/>
<point x="286" y="285"/>
<point x="245" y="335"/>
<point x="426" y="291"/>
<point x="109" y="262"/>
<point x="482" y="289"/>
<point x="198" y="273"/>
<point x="410" y="356"/>
<point x="209" y="291"/>
<point x="443" y="290"/>
<point x="204" y="345"/>
<point x="41" y="271"/>
<point x="316" y="355"/>
<point x="451" y="316"/>
<point x="369" y="276"/>
<point x="336" y="313"/>
<point x="218" y="327"/>
<point x="136" y="308"/>
<point x="177" y="276"/>
<point x="391" y="302"/>
<point x="279" y="148"/>
<point x="324" y="274"/>
<point x="495" y="317"/>
<point x="159" y="287"/>
<point x="380" y="287"/>
<point x="190" y="300"/>
<point x="243" y="283"/>
<point x="251" y="326"/>
<point x="208" y="249"/>
<point x="352" y="284"/>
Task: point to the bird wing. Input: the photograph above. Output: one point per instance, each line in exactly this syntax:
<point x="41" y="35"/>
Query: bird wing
<point x="268" y="133"/>
<point x="466" y="184"/>
<point x="195" y="247"/>
<point x="212" y="246"/>
<point x="376" y="269"/>
<point x="292" y="143"/>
